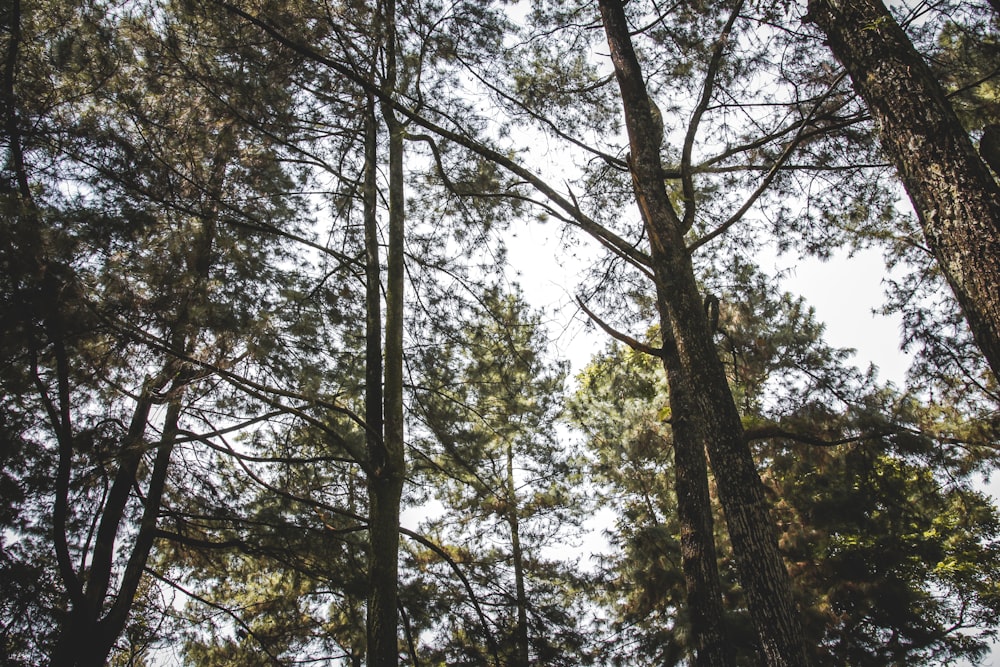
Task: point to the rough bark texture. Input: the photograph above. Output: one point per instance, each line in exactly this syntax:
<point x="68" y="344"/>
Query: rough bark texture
<point x="989" y="147"/>
<point x="699" y="375"/>
<point x="384" y="495"/>
<point x="954" y="194"/>
<point x="694" y="513"/>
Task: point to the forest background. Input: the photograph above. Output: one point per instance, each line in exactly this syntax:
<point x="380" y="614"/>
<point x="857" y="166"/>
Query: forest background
<point x="258" y="304"/>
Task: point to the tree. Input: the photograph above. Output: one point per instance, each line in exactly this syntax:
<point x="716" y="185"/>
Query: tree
<point x="129" y="217"/>
<point x="956" y="198"/>
<point x="495" y="462"/>
<point x="862" y="486"/>
<point x="698" y="384"/>
<point x="371" y="52"/>
<point x="140" y="239"/>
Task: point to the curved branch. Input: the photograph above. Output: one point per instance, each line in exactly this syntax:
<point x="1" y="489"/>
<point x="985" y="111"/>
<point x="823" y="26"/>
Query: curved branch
<point x="770" y="175"/>
<point x="228" y="612"/>
<point x="262" y="392"/>
<point x="603" y="235"/>
<point x="420" y="539"/>
<point x="618" y="335"/>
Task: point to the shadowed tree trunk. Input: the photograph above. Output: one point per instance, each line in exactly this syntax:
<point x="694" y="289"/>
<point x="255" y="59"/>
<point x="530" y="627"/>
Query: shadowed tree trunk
<point x="373" y="312"/>
<point x="954" y="194"/>
<point x="522" y="653"/>
<point x="694" y="509"/>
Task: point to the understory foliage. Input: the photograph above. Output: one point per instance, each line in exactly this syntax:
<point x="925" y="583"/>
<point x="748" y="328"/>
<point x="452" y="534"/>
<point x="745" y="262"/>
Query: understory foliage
<point x="207" y="211"/>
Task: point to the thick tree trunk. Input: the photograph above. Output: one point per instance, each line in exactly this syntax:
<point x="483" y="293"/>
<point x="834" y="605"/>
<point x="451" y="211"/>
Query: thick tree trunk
<point x="694" y="513"/>
<point x="699" y="375"/>
<point x="384" y="493"/>
<point x="953" y="192"/>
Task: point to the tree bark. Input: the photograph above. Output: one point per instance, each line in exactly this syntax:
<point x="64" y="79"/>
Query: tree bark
<point x="699" y="561"/>
<point x="387" y="468"/>
<point x="522" y="654"/>
<point x="699" y="376"/>
<point x="955" y="196"/>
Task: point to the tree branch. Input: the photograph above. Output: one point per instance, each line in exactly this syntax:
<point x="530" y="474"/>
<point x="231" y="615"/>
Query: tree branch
<point x="603" y="235"/>
<point x="770" y="175"/>
<point x="618" y="335"/>
<point x="687" y="181"/>
<point x="775" y="431"/>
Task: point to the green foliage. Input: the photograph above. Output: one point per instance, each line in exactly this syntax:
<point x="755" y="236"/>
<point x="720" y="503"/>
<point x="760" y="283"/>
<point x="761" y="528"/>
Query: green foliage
<point x="967" y="54"/>
<point x="505" y="483"/>
<point x="893" y="555"/>
<point x="279" y="575"/>
<point x="189" y="235"/>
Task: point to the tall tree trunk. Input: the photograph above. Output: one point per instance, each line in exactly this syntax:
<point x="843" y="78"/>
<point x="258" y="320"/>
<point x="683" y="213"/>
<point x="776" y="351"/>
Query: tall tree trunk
<point x="374" y="433"/>
<point x="373" y="289"/>
<point x="694" y="512"/>
<point x="387" y="470"/>
<point x="955" y="196"/>
<point x="699" y="376"/>
<point x="522" y="655"/>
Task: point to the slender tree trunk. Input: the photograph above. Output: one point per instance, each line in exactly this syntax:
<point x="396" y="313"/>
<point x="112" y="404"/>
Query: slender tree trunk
<point x="388" y="469"/>
<point x="374" y="427"/>
<point x="112" y="625"/>
<point x="373" y="291"/>
<point x="383" y="569"/>
<point x="955" y="196"/>
<point x="711" y="642"/>
<point x="522" y="655"/>
<point x="699" y="376"/>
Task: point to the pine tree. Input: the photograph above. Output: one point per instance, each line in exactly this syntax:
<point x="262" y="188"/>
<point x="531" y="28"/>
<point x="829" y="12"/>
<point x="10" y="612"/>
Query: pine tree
<point x="872" y="492"/>
<point x="505" y="482"/>
<point x="956" y="198"/>
<point x="123" y="212"/>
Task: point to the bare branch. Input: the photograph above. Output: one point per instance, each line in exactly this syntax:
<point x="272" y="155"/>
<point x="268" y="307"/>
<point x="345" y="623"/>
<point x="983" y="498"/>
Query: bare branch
<point x="618" y="335"/>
